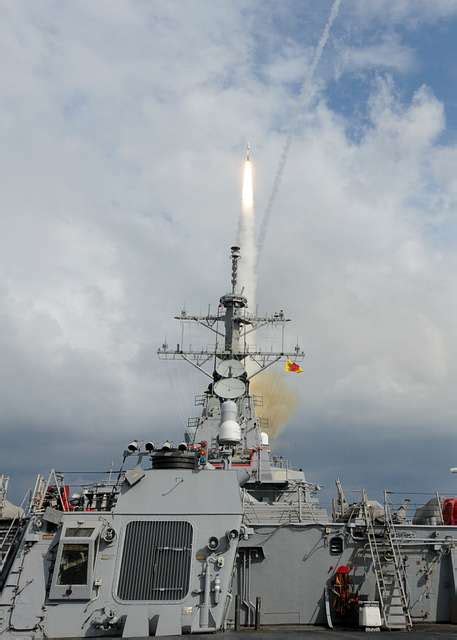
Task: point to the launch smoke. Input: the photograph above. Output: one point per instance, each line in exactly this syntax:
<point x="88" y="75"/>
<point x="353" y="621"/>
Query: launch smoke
<point x="279" y="401"/>
<point x="303" y="103"/>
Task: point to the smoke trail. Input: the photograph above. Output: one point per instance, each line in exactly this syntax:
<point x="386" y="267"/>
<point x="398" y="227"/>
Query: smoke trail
<point x="246" y="236"/>
<point x="303" y="103"/>
<point x="279" y="402"/>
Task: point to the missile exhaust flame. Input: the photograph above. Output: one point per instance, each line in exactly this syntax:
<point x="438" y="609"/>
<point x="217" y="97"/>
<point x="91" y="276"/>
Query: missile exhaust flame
<point x="246" y="234"/>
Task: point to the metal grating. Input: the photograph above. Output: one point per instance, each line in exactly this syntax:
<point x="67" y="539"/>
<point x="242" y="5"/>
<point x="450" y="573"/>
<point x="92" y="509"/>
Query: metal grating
<point x="156" y="561"/>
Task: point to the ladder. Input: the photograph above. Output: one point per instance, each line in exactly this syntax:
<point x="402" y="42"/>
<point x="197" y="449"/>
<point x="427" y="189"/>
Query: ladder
<point x="43" y="489"/>
<point x="399" y="608"/>
<point x="9" y="532"/>
<point x="394" y="607"/>
<point x="376" y="559"/>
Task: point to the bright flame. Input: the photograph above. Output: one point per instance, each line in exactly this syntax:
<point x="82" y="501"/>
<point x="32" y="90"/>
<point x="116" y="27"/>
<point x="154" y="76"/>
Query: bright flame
<point x="247" y="197"/>
<point x="246" y="236"/>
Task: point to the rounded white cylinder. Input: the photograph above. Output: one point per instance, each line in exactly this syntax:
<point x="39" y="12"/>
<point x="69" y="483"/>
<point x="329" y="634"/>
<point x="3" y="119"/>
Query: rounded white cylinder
<point x="229" y="411"/>
<point x="230" y="430"/>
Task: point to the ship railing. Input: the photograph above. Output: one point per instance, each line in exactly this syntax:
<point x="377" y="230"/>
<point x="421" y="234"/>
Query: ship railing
<point x="11" y="533"/>
<point x="419" y="507"/>
<point x="208" y="351"/>
<point x="79" y="495"/>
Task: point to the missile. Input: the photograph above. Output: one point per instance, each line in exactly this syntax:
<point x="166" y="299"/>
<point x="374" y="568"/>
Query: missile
<point x="248" y="152"/>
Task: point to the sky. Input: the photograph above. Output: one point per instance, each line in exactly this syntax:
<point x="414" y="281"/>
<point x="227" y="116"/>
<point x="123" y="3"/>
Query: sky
<point x="123" y="127"/>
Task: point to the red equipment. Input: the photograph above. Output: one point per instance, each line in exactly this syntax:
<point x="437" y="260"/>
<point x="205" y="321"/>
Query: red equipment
<point x="344" y="599"/>
<point x="450" y="511"/>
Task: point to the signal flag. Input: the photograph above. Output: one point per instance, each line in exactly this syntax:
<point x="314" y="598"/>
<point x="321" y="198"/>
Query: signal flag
<point x="292" y="367"/>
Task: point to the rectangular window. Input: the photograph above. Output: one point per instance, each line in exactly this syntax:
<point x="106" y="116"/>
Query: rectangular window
<point x="74" y="564"/>
<point x="79" y="532"/>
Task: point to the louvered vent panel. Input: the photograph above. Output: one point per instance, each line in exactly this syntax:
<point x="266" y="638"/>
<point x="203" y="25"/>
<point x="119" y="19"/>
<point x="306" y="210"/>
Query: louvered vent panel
<point x="155" y="561"/>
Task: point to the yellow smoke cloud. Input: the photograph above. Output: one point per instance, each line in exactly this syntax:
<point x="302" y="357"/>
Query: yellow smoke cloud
<point x="279" y="401"/>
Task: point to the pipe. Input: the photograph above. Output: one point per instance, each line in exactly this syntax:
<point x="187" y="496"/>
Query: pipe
<point x="204" y="608"/>
<point x="258" y="606"/>
<point x="217" y="590"/>
<point x="237" y="612"/>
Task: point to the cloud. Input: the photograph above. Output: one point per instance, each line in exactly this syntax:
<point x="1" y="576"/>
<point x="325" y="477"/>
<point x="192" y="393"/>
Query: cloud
<point x="381" y="345"/>
<point x="390" y="53"/>
<point x="122" y="131"/>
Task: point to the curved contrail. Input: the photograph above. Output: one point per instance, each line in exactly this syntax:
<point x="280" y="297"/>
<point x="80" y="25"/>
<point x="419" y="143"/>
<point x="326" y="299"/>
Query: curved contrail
<point x="304" y="99"/>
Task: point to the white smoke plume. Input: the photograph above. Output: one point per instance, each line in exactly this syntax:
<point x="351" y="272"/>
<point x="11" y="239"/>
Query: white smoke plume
<point x="304" y="100"/>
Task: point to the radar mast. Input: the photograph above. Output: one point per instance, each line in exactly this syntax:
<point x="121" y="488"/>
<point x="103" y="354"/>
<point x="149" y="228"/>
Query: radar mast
<point x="233" y="323"/>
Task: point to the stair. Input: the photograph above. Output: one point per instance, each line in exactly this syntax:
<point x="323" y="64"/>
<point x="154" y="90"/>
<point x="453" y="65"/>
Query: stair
<point x="399" y="599"/>
<point x="390" y="575"/>
<point x="9" y="530"/>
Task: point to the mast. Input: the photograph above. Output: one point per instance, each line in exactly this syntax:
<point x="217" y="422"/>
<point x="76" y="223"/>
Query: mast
<point x="233" y="323"/>
<point x="233" y="304"/>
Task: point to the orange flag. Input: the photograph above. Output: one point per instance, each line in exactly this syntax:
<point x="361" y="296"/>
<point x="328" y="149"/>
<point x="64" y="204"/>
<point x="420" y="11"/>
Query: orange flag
<point x="292" y="367"/>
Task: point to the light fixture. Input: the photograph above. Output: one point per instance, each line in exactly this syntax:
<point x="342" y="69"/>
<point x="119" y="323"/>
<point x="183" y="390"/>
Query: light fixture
<point x="213" y="543"/>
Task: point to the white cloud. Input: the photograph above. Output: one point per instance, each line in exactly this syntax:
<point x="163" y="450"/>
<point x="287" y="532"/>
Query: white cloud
<point x="376" y="288"/>
<point x="390" y="53"/>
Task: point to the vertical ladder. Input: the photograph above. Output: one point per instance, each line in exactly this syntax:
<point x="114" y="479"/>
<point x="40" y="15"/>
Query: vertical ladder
<point x="38" y="494"/>
<point x="399" y="607"/>
<point x="42" y="488"/>
<point x="376" y="559"/>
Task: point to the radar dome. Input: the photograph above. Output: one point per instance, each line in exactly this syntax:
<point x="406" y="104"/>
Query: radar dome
<point x="230" y="430"/>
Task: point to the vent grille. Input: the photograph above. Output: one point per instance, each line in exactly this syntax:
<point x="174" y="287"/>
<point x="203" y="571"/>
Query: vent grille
<point x="156" y="561"/>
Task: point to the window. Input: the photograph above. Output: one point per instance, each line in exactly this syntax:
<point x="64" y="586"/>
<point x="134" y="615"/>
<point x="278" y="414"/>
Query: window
<point x="73" y="572"/>
<point x="79" y="532"/>
<point x="336" y="546"/>
<point x="74" y="564"/>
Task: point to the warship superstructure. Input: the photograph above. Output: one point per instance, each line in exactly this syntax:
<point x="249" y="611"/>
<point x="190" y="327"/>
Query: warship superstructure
<point x="218" y="532"/>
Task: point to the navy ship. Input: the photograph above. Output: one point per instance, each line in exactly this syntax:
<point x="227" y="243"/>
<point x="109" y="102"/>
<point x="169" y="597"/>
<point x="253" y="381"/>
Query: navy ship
<point x="218" y="532"/>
